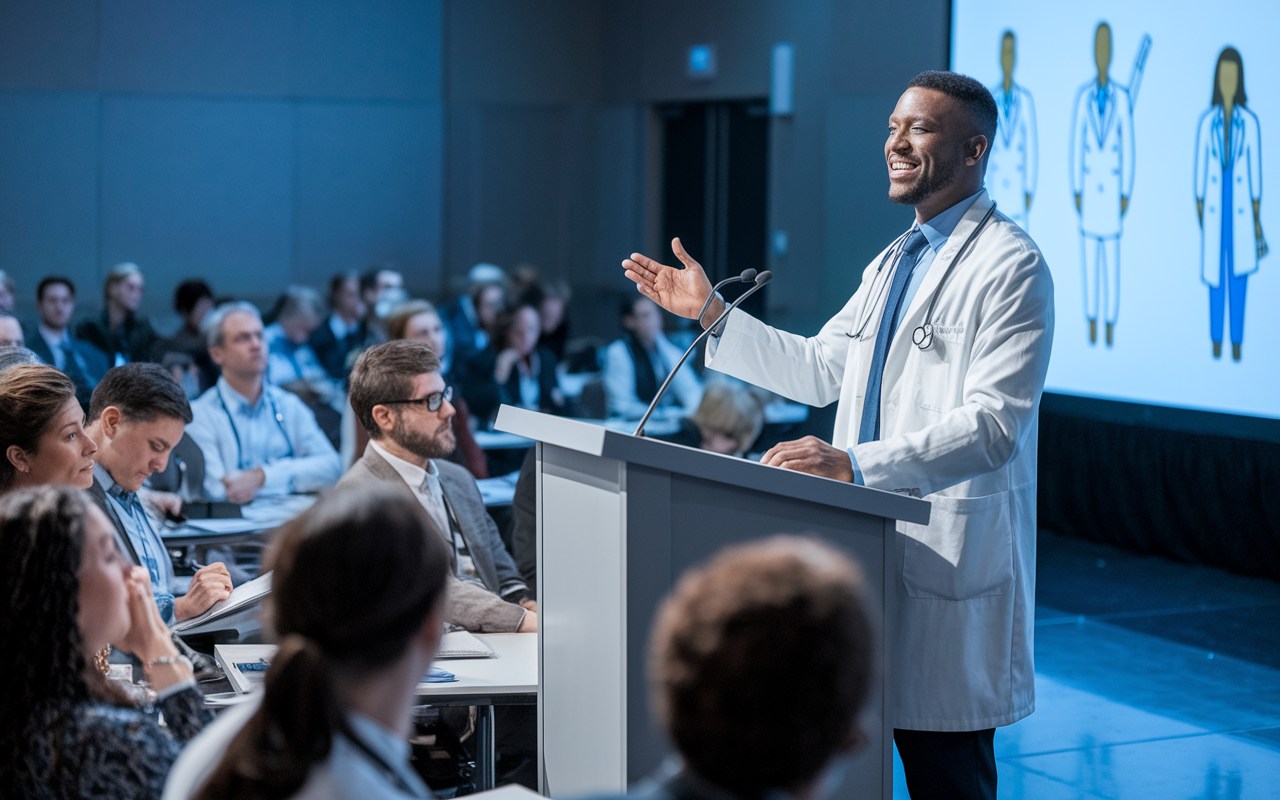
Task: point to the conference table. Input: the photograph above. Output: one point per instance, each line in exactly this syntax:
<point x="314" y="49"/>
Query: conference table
<point x="511" y="678"/>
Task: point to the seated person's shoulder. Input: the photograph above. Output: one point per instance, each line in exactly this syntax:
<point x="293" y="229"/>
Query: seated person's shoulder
<point x="453" y="471"/>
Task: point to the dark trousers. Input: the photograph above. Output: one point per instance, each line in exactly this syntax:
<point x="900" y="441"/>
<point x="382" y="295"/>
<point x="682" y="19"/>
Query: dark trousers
<point x="954" y="766"/>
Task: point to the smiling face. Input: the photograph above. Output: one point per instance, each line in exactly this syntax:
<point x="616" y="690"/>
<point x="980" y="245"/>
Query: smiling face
<point x="64" y="454"/>
<point x="934" y="152"/>
<point x="104" y="608"/>
<point x="132" y="450"/>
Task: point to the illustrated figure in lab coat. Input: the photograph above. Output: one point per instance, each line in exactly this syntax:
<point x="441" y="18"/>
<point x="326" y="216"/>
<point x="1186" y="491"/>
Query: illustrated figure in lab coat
<point x="1101" y="162"/>
<point x="1228" y="184"/>
<point x="1011" y="170"/>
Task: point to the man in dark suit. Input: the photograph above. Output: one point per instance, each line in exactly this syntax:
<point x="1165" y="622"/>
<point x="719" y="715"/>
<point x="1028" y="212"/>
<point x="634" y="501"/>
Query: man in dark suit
<point x="344" y="330"/>
<point x="53" y="343"/>
<point x="402" y="402"/>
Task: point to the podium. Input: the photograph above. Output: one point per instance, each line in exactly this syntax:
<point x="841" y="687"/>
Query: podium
<point x="620" y="518"/>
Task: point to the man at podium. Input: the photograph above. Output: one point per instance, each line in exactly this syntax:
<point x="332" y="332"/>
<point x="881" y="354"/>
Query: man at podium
<point x="937" y="363"/>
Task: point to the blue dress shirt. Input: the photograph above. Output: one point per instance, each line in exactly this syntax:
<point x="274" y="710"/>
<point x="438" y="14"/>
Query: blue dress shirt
<point x="144" y="539"/>
<point x="937" y="230"/>
<point x="278" y="433"/>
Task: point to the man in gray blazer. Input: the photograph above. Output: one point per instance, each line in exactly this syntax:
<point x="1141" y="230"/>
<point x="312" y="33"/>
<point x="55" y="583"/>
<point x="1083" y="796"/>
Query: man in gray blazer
<point x="400" y="398"/>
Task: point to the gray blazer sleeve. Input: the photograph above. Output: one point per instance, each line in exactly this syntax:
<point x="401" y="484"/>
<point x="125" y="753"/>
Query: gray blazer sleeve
<point x="473" y="607"/>
<point x="477" y="526"/>
<point x="524" y="534"/>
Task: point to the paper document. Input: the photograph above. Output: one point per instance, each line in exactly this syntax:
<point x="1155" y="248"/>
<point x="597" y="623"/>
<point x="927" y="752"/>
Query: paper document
<point x="243" y="595"/>
<point x="460" y="644"/>
<point x="245" y="665"/>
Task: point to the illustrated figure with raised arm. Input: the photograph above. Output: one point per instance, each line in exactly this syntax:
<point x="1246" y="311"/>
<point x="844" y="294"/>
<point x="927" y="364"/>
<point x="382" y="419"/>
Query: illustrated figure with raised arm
<point x="1012" y="168"/>
<point x="1102" y="168"/>
<point x="1228" y="184"/>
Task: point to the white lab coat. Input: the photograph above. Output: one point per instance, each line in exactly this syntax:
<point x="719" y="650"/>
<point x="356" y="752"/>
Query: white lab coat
<point x="1102" y="157"/>
<point x="958" y="426"/>
<point x="1012" y="164"/>
<point x="1246" y="176"/>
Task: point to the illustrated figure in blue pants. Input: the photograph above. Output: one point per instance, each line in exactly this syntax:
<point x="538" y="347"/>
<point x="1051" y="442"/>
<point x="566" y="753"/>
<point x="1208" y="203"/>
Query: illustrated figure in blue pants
<point x="1228" y="185"/>
<point x="1101" y="162"/>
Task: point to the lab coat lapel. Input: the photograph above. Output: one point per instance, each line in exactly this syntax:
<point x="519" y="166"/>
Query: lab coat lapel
<point x="933" y="278"/>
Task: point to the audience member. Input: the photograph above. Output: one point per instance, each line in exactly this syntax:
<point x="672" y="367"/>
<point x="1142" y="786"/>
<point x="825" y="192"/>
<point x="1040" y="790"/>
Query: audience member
<point x="357" y="593"/>
<point x="512" y="370"/>
<point x="381" y="290"/>
<point x="418" y="321"/>
<point x="256" y="438"/>
<point x="185" y="350"/>
<point x="636" y="365"/>
<point x="66" y="593"/>
<point x="552" y="301"/>
<point x="11" y="334"/>
<point x="401" y="400"/>
<point x="8" y="292"/>
<point x="118" y="332"/>
<point x="54" y="344"/>
<point x="291" y="363"/>
<point x="137" y="416"/>
<point x="14" y="356"/>
<point x="471" y="318"/>
<point x="41" y="430"/>
<point x="728" y="421"/>
<point x="343" y="331"/>
<point x="789" y="604"/>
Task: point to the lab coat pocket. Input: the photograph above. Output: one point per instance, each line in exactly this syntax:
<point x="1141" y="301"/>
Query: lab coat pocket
<point x="965" y="551"/>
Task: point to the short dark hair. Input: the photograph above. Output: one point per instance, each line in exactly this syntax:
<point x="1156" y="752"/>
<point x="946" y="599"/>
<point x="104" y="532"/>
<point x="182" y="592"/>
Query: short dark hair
<point x="50" y="281"/>
<point x="975" y="97"/>
<point x="143" y="392"/>
<point x="189" y="293"/>
<point x="336" y="282"/>
<point x="627" y="304"/>
<point x="789" y="598"/>
<point x="386" y="372"/>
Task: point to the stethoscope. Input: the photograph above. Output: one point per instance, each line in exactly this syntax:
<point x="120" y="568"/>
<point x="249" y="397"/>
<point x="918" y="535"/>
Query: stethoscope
<point x="922" y="336"/>
<point x="275" y="413"/>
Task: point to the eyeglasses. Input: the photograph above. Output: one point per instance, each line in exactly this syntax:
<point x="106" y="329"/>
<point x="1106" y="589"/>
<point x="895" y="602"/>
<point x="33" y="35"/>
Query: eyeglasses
<point x="432" y="401"/>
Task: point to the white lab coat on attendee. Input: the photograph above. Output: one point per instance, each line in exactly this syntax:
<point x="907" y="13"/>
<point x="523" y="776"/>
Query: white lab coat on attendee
<point x="1013" y="162"/>
<point x="1102" y="157"/>
<point x="958" y="428"/>
<point x="1246" y="187"/>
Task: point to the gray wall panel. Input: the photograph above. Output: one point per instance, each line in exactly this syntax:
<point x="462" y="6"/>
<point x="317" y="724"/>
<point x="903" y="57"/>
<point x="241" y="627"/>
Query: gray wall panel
<point x="49" y="44"/>
<point x="369" y="190"/>
<point x="48" y="189"/>
<point x="388" y="49"/>
<point x="235" y="47"/>
<point x="199" y="187"/>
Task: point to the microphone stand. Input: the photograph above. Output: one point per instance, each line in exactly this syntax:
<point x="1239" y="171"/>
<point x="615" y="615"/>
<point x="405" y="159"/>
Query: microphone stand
<point x="761" y="280"/>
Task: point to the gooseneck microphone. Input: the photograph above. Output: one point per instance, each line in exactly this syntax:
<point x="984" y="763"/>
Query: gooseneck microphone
<point x="747" y="275"/>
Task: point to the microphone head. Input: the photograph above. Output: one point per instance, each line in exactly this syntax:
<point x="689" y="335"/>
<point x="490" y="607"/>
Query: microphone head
<point x="747" y="276"/>
<point x="764" y="277"/>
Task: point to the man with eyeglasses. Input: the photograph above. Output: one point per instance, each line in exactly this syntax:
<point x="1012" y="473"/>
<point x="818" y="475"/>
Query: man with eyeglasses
<point x="400" y="398"/>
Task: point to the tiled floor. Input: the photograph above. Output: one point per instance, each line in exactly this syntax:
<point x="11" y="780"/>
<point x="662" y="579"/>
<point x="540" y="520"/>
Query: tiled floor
<point x="1153" y="680"/>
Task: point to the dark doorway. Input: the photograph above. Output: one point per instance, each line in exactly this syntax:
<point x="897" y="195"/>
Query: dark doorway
<point x="715" y="174"/>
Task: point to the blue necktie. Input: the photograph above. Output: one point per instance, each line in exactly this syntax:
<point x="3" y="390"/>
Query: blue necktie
<point x="911" y="251"/>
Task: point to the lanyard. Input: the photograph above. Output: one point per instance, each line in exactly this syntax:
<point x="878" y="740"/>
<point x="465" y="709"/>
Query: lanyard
<point x="275" y="413"/>
<point x="379" y="763"/>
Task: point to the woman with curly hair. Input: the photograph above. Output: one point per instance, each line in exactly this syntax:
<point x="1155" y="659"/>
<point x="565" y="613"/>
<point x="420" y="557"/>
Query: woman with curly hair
<point x="66" y="592"/>
<point x="42" y="436"/>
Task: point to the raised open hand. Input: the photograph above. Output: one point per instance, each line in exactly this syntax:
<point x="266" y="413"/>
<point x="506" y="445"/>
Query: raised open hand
<point x="680" y="291"/>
